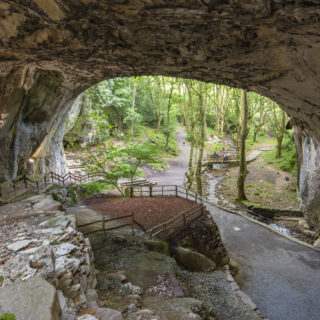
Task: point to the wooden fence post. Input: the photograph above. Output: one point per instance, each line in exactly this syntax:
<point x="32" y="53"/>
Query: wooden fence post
<point x="131" y="191"/>
<point x="150" y="191"/>
<point x="176" y="191"/>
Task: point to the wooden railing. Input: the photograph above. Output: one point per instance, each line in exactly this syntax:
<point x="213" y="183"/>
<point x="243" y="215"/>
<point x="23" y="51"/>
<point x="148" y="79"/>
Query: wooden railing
<point x="173" y="226"/>
<point x="24" y="184"/>
<point x="164" y="230"/>
<point x="130" y="221"/>
<point x="165" y="191"/>
<point x="177" y="224"/>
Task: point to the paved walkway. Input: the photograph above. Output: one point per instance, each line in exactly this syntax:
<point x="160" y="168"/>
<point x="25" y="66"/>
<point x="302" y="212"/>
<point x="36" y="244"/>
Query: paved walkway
<point x="281" y="276"/>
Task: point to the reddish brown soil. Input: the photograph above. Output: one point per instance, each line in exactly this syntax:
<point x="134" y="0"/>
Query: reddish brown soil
<point x="148" y="211"/>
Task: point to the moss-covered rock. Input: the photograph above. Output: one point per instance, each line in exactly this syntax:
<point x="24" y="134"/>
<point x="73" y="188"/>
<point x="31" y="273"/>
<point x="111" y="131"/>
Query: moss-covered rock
<point x="193" y="261"/>
<point x="158" y="246"/>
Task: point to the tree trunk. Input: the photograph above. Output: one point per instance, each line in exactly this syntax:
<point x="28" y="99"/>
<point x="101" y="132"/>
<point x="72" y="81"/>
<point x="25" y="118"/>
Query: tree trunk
<point x="190" y="173"/>
<point x="280" y="135"/>
<point x="279" y="147"/>
<point x="255" y="132"/>
<point x="242" y="146"/>
<point x="168" y="119"/>
<point x="133" y="105"/>
<point x="202" y="117"/>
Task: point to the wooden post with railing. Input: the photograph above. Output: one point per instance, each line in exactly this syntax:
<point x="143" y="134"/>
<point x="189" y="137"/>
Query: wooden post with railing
<point x="176" y="191"/>
<point x="150" y="190"/>
<point x="131" y="191"/>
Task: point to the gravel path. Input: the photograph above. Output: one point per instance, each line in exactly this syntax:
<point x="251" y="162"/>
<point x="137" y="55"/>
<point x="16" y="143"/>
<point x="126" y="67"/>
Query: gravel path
<point x="175" y="174"/>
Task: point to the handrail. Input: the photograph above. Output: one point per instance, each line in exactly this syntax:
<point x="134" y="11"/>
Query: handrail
<point x="105" y="220"/>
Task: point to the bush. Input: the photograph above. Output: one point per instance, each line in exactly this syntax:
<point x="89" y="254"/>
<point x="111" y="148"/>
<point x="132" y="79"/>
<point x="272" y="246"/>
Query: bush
<point x="92" y="188"/>
<point x="7" y="316"/>
<point x="288" y="160"/>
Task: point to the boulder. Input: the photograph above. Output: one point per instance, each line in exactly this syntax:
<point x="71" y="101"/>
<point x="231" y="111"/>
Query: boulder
<point x="317" y="243"/>
<point x="59" y="221"/>
<point x="44" y="202"/>
<point x="19" y="245"/>
<point x="193" y="261"/>
<point x="87" y="317"/>
<point x="108" y="314"/>
<point x="176" y="308"/>
<point x="158" y="246"/>
<point x="30" y="300"/>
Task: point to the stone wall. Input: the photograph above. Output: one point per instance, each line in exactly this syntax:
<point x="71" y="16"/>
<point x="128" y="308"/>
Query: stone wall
<point x="52" y="250"/>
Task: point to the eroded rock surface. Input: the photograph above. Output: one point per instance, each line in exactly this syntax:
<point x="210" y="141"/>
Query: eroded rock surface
<point x="50" y="248"/>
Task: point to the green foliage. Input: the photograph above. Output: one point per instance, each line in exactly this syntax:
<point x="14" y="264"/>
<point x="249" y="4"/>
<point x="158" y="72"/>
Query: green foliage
<point x="216" y="147"/>
<point x="7" y="316"/>
<point x="91" y="188"/>
<point x="288" y="160"/>
<point x="117" y="162"/>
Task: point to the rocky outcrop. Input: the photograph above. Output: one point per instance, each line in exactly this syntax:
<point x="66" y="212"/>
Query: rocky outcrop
<point x="52" y="50"/>
<point x="55" y="251"/>
<point x="309" y="176"/>
<point x="31" y="299"/>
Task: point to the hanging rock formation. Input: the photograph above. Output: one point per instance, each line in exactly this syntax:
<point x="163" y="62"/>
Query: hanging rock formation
<point x="50" y="51"/>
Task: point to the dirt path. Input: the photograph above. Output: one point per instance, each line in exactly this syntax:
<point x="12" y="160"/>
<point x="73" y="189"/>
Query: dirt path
<point x="281" y="277"/>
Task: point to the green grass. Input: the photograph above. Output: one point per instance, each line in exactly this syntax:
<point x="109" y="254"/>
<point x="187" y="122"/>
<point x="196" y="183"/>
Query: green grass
<point x="288" y="160"/>
<point x="7" y="316"/>
<point x="261" y="140"/>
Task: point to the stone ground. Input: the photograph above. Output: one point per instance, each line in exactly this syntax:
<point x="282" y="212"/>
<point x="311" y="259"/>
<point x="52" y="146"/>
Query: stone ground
<point x="136" y="280"/>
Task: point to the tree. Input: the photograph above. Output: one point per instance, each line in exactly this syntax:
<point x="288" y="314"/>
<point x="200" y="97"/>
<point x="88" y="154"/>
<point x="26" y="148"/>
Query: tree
<point x="278" y="121"/>
<point x="260" y="109"/>
<point x="243" y="124"/>
<point x="117" y="162"/>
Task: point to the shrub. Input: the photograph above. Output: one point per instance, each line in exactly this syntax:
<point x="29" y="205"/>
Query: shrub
<point x="92" y="188"/>
<point x="7" y="316"/>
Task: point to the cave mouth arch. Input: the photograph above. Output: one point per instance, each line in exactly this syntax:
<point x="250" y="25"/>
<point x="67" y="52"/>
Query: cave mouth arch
<point x="50" y="52"/>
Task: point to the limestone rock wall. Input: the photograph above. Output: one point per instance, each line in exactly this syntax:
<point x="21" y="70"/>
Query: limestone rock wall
<point x="53" y="250"/>
<point x="309" y="176"/>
